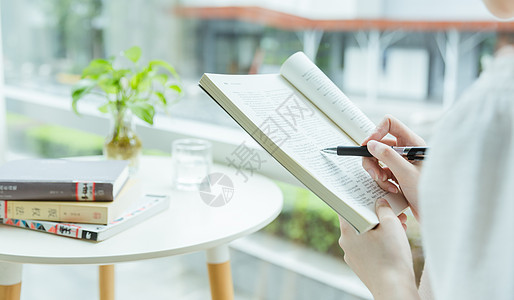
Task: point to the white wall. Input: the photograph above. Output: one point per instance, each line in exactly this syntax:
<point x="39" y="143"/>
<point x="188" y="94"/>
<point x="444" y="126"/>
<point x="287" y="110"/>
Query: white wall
<point x="404" y="75"/>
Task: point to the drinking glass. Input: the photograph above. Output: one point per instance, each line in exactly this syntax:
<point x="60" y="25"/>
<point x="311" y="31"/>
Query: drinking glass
<point x="191" y="163"/>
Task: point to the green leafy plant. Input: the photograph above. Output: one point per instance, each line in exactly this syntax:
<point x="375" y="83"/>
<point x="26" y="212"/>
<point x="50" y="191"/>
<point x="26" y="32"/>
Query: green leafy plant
<point x="137" y="88"/>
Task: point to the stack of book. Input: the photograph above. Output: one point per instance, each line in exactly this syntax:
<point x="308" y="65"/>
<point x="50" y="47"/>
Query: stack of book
<point x="91" y="200"/>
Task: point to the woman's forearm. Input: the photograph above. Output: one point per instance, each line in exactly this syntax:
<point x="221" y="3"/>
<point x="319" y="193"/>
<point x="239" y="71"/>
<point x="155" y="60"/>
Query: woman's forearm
<point x="399" y="288"/>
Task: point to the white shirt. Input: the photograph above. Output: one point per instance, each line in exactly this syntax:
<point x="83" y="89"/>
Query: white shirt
<point x="467" y="192"/>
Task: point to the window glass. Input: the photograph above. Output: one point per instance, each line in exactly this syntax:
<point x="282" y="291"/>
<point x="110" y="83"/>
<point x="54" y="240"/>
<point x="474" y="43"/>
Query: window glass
<point x="48" y="42"/>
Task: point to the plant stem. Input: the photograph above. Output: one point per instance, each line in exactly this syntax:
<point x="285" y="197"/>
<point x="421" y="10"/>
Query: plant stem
<point x="118" y="119"/>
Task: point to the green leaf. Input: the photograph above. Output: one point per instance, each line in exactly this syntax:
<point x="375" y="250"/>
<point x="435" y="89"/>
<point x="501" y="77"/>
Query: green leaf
<point x="144" y="85"/>
<point x="133" y="53"/>
<point x="142" y="110"/>
<point x="176" y="88"/>
<point x="79" y="90"/>
<point x="161" y="97"/>
<point x="135" y="80"/>
<point x="161" y="78"/>
<point x="96" y="68"/>
<point x="117" y="74"/>
<point x="105" y="108"/>
<point x="109" y="85"/>
<point x="138" y="78"/>
<point x="165" y="65"/>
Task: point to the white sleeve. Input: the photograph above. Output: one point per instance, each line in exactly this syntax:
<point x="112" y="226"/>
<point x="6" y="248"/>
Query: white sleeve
<point x="425" y="288"/>
<point x="467" y="198"/>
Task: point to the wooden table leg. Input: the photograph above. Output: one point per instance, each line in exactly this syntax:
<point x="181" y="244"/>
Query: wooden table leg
<point x="220" y="276"/>
<point x="10" y="281"/>
<point x="106" y="273"/>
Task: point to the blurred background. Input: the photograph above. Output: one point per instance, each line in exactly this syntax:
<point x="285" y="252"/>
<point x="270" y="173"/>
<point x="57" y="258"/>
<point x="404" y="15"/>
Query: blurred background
<point x="412" y="59"/>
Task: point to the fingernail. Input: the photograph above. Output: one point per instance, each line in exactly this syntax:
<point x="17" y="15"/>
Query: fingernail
<point x="384" y="177"/>
<point x="392" y="189"/>
<point x="372" y="174"/>
<point x="372" y="145"/>
<point x="382" y="202"/>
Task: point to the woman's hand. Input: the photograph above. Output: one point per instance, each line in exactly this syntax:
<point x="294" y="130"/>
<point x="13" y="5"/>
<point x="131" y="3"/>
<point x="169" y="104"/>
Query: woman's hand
<point x="381" y="257"/>
<point x="399" y="170"/>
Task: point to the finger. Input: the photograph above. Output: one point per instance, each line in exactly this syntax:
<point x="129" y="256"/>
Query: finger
<point x="390" y="174"/>
<point x="375" y="171"/>
<point x="380" y="131"/>
<point x="404" y="227"/>
<point x="370" y="164"/>
<point x="388" y="186"/>
<point x="393" y="126"/>
<point x="387" y="141"/>
<point x="384" y="210"/>
<point x="400" y="167"/>
<point x="402" y="217"/>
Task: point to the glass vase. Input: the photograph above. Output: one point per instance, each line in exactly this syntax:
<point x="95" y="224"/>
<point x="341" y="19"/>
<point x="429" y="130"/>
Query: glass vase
<point x="122" y="143"/>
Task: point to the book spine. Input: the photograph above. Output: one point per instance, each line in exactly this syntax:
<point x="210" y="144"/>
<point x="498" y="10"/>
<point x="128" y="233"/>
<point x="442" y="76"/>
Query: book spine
<point x="68" y="230"/>
<point x="75" y="231"/>
<point x="57" y="191"/>
<point x="51" y="211"/>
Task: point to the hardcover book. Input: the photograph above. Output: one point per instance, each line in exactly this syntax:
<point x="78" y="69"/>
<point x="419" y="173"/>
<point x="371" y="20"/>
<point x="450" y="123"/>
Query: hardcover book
<point x="72" y="211"/>
<point x="62" y="179"/>
<point x="295" y="114"/>
<point x="148" y="207"/>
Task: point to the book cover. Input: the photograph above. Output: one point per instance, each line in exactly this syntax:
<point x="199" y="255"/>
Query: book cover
<point x="62" y="179"/>
<point x="73" y="211"/>
<point x="149" y="206"/>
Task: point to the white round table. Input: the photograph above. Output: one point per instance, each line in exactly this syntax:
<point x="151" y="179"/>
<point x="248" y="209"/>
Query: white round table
<point x="188" y="225"/>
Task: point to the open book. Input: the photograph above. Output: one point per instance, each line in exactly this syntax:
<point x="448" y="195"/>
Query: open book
<point x="295" y="114"/>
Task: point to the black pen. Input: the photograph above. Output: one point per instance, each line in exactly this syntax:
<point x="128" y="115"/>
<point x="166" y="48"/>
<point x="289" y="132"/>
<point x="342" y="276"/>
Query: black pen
<point x="411" y="153"/>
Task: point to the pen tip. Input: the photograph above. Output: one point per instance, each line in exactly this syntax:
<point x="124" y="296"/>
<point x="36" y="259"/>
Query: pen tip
<point x="328" y="150"/>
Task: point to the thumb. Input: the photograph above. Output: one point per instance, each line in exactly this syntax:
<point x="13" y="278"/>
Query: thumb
<point x="400" y="167"/>
<point x="383" y="210"/>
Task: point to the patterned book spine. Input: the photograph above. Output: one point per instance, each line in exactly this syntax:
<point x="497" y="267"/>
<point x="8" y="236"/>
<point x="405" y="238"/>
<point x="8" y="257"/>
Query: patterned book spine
<point x="53" y="191"/>
<point x="52" y="211"/>
<point x="69" y="230"/>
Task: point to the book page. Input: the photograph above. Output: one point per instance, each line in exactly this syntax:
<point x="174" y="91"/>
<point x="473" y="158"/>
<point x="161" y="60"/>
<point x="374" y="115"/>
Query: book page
<point x="318" y="88"/>
<point x="299" y="129"/>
